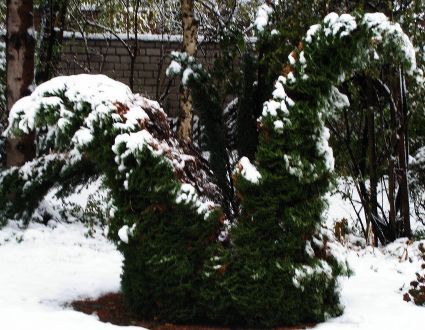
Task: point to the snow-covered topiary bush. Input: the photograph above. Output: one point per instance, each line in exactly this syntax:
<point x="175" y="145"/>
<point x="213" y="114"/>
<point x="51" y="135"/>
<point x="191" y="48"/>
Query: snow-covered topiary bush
<point x="281" y="269"/>
<point x="162" y="204"/>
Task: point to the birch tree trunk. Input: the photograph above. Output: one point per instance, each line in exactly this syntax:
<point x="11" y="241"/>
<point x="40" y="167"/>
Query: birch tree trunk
<point x="190" y="29"/>
<point x="20" y="47"/>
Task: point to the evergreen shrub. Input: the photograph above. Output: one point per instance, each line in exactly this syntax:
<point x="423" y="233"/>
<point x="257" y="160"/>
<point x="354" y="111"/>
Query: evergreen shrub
<point x="162" y="210"/>
<point x="278" y="266"/>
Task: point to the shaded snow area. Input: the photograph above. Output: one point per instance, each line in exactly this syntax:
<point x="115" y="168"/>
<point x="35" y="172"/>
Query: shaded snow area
<point x="44" y="268"/>
<point x="373" y="296"/>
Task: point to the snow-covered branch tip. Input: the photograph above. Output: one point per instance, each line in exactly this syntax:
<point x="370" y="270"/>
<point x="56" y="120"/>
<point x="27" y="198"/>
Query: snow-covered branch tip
<point x="262" y="17"/>
<point x="183" y="65"/>
<point x="248" y="171"/>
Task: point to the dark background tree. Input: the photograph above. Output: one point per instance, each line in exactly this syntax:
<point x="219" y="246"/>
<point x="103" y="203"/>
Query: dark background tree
<point x="20" y="48"/>
<point x="52" y="26"/>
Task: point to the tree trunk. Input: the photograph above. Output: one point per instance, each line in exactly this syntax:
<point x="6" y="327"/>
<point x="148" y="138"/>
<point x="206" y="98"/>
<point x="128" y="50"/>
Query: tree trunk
<point x="391" y="172"/>
<point x="20" y="47"/>
<point x="135" y="45"/>
<point x="402" y="150"/>
<point x="391" y="198"/>
<point x="373" y="177"/>
<point x="190" y="28"/>
<point x="364" y="193"/>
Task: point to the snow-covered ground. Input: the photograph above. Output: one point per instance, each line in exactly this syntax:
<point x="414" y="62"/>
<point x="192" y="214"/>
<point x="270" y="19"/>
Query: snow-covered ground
<point x="373" y="296"/>
<point x="43" y="268"/>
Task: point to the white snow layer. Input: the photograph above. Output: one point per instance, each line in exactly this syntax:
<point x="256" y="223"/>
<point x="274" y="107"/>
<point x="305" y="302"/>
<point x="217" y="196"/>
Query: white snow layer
<point x="98" y="90"/>
<point x="173" y="69"/>
<point x="44" y="268"/>
<point x="187" y="194"/>
<point x="383" y="31"/>
<point x="343" y="24"/>
<point x="125" y="232"/>
<point x="190" y="66"/>
<point x="262" y="17"/>
<point x="248" y="171"/>
<point x="187" y="73"/>
<point x="324" y="149"/>
<point x="373" y="295"/>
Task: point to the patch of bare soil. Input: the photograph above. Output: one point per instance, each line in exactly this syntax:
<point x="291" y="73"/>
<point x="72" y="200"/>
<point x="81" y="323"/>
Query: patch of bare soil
<point x="111" y="308"/>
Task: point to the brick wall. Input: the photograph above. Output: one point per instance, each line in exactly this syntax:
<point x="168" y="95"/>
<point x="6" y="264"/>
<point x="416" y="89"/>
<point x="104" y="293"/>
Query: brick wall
<point x="108" y="55"/>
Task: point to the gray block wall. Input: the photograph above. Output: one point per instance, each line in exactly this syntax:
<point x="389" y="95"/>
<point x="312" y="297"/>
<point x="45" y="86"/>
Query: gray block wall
<point x="108" y="55"/>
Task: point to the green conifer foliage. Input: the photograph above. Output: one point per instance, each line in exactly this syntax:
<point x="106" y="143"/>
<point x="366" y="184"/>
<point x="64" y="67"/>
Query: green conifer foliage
<point x="167" y="243"/>
<point x="279" y="269"/>
<point x="159" y="220"/>
<point x="284" y="209"/>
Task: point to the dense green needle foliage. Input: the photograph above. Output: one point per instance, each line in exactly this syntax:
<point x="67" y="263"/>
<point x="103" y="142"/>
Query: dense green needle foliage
<point x="164" y="256"/>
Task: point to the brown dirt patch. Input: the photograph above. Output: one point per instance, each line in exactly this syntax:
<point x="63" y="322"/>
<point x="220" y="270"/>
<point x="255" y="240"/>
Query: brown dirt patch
<point x="111" y="308"/>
